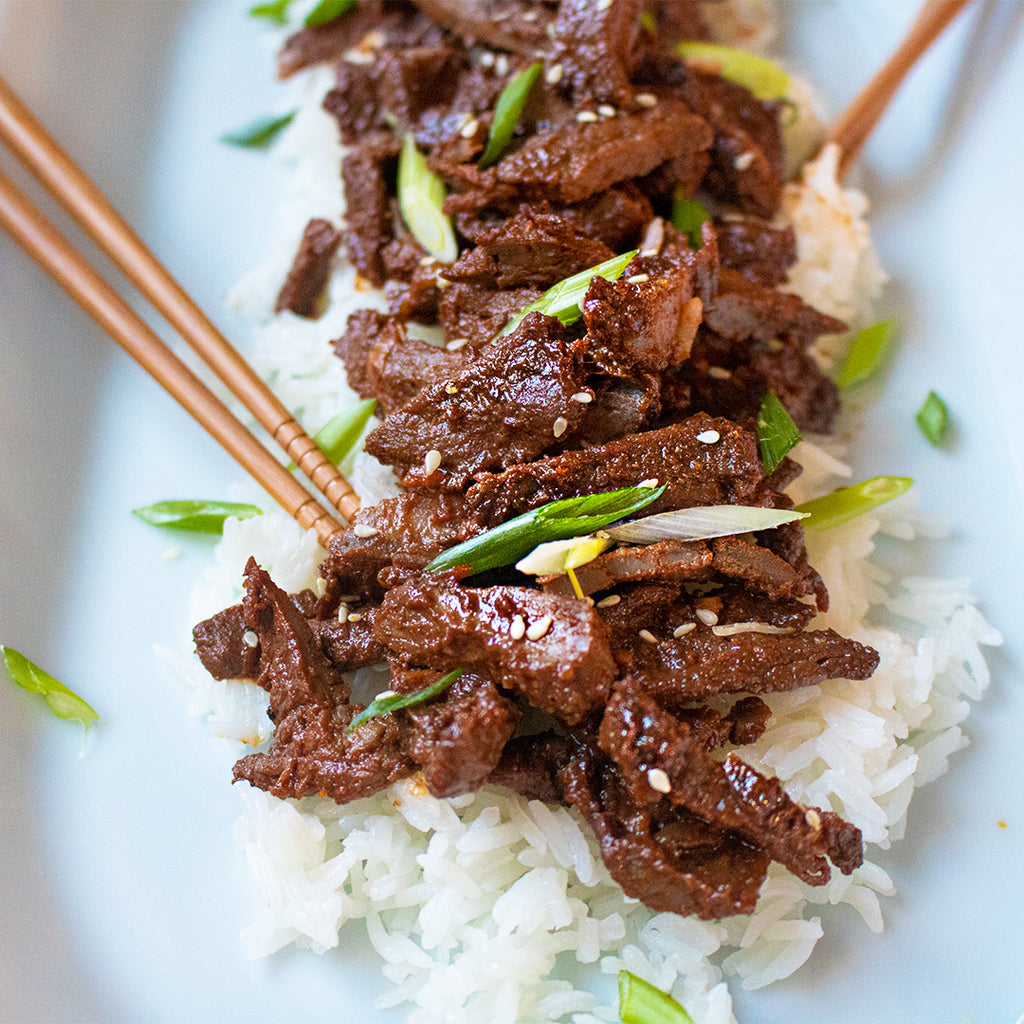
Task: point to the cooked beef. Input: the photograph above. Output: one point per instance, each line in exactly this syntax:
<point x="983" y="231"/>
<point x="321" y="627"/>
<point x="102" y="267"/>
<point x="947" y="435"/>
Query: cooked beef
<point x="367" y="171"/>
<point x="475" y="314"/>
<point x="619" y="406"/>
<point x="310" y="269"/>
<point x="530" y="766"/>
<point x="516" y="25"/>
<point x="554" y="650"/>
<point x="415" y="78"/>
<point x="350" y="644"/>
<point x="220" y="644"/>
<point x="353" y="102"/>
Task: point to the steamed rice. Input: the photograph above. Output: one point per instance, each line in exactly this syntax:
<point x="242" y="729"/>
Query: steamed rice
<point x="491" y="907"/>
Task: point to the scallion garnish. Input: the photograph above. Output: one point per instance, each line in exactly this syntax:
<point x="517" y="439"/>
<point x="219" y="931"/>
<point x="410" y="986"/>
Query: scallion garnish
<point x="702" y="523"/>
<point x="393" y="701"/>
<point x="328" y="10"/>
<point x="555" y="557"/>
<point x="767" y="81"/>
<point x="557" y="520"/>
<point x="563" y="300"/>
<point x="276" y="11"/>
<point x="507" y="112"/>
<point x="776" y="431"/>
<point x="420" y="198"/>
<point x="195" y="516"/>
<point x="259" y="134"/>
<point x="337" y="436"/>
<point x="641" y="1003"/>
<point x="867" y="353"/>
<point x="849" y="502"/>
<point x="933" y="418"/>
<point x="688" y="216"/>
<point x="61" y="701"/>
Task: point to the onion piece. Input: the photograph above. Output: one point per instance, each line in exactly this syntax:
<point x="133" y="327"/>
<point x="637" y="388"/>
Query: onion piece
<point x="420" y="198"/>
<point x="702" y="523"/>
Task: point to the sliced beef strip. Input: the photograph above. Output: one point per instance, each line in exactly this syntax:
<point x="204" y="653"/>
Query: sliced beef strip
<point x="350" y="644"/>
<point x="353" y="102"/>
<point x="220" y="644"/>
<point x="640" y="737"/>
<point x="529" y="765"/>
<point x="519" y="26"/>
<point x="367" y="170"/>
<point x="565" y="671"/>
<point x="683" y="865"/>
<point x="509" y="405"/>
<point x="757" y="250"/>
<point x="619" y="407"/>
<point x="458" y="739"/>
<point x="310" y="269"/>
<point x="475" y="314"/>
<point x="411" y="80"/>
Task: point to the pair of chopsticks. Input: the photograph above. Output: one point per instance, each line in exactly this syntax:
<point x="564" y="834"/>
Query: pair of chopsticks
<point x="93" y="212"/>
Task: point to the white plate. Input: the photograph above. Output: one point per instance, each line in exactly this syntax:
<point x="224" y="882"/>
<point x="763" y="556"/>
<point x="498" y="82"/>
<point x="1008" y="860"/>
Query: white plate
<point x="120" y="897"/>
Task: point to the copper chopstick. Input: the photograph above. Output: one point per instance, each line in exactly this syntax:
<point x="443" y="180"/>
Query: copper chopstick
<point x="82" y="199"/>
<point x="83" y="283"/>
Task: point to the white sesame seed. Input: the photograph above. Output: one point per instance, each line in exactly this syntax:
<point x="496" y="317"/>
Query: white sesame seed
<point x="583" y="397"/>
<point x="586" y="115"/>
<point x="709" y="437"/>
<point x="646" y="99"/>
<point x="743" y="161"/>
<point x="685" y="628"/>
<point x="607" y="110"/>
<point x="719" y="372"/>
<point x="356" y="617"/>
<point x="364" y="530"/>
<point x="450" y="389"/>
<point x="658" y="780"/>
<point x="249" y="638"/>
<point x="320" y="587"/>
<point x="501" y="64"/>
<point x="561" y="425"/>
<point x="607" y="602"/>
<point x="707" y="616"/>
<point x="468" y="130"/>
<point x="529" y="15"/>
<point x="553" y="75"/>
<point x="487" y="59"/>
<point x="638" y="278"/>
<point x="431" y="462"/>
<point x="427" y="261"/>
<point x="343" y="613"/>
<point x="646" y="634"/>
<point x="603" y="5"/>
<point x="537" y="629"/>
<point x="813" y="818"/>
<point x="654" y="235"/>
<point x="518" y="628"/>
<point x="456" y="343"/>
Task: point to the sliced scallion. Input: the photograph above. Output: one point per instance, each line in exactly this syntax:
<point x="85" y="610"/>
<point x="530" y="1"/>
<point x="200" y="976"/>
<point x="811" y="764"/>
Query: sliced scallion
<point x="420" y="198"/>
<point x="557" y="520"/>
<point x="767" y="81"/>
<point x="867" y="353"/>
<point x="328" y="10"/>
<point x="702" y="523"/>
<point x="563" y="300"/>
<point x="849" y="502"/>
<point x="337" y="436"/>
<point x="556" y="557"/>
<point x="195" y="516"/>
<point x="689" y="216"/>
<point x="507" y="112"/>
<point x="394" y="701"/>
<point x="641" y="1003"/>
<point x="276" y="11"/>
<point x="259" y="134"/>
<point x="61" y="701"/>
<point x="776" y="431"/>
<point x="933" y="418"/>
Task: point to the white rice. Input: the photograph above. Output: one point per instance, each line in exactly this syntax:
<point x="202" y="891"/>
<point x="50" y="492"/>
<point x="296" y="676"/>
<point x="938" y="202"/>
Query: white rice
<point x="488" y="907"/>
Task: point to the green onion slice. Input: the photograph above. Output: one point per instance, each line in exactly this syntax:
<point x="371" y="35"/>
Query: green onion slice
<point x="420" y="198"/>
<point x="688" y="216"/>
<point x="641" y="1003"/>
<point x="563" y="300"/>
<point x="328" y="10"/>
<point x="933" y="418"/>
<point x="867" y="353"/>
<point x="61" y="701"/>
<point x="557" y="520"/>
<point x="777" y="434"/>
<point x="702" y="523"/>
<point x="767" y="81"/>
<point x="195" y="516"/>
<point x="338" y="435"/>
<point x="849" y="502"/>
<point x="393" y="701"/>
<point x="507" y="112"/>
<point x="259" y="134"/>
<point x="555" y="557"/>
<point x="275" y="12"/>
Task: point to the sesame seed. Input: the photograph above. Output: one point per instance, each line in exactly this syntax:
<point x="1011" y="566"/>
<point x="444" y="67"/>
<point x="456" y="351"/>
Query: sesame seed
<point x="813" y="818"/>
<point x="685" y="628"/>
<point x="450" y="389"/>
<point x="553" y="75"/>
<point x="456" y="343"/>
<point x="468" y="130"/>
<point x="529" y="15"/>
<point x="249" y="638"/>
<point x="586" y="115"/>
<point x="658" y="780"/>
<point x="431" y="462"/>
<point x="646" y="99"/>
<point x="743" y="161"/>
<point x="707" y="616"/>
<point x="537" y="629"/>
<point x="561" y="425"/>
<point x="343" y="613"/>
<point x="654" y="235"/>
<point x="603" y="5"/>
<point x="501" y="64"/>
<point x="518" y="628"/>
<point x="607" y="602"/>
<point x="583" y="397"/>
<point x="427" y="261"/>
<point x="638" y="278"/>
<point x="719" y="372"/>
<point x="320" y="587"/>
<point x="356" y="617"/>
<point x="487" y="59"/>
<point x="364" y="530"/>
<point x="646" y="634"/>
<point x="709" y="437"/>
<point x="607" y="110"/>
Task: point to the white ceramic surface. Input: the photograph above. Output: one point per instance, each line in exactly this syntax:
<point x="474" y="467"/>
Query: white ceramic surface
<point x="120" y="897"/>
